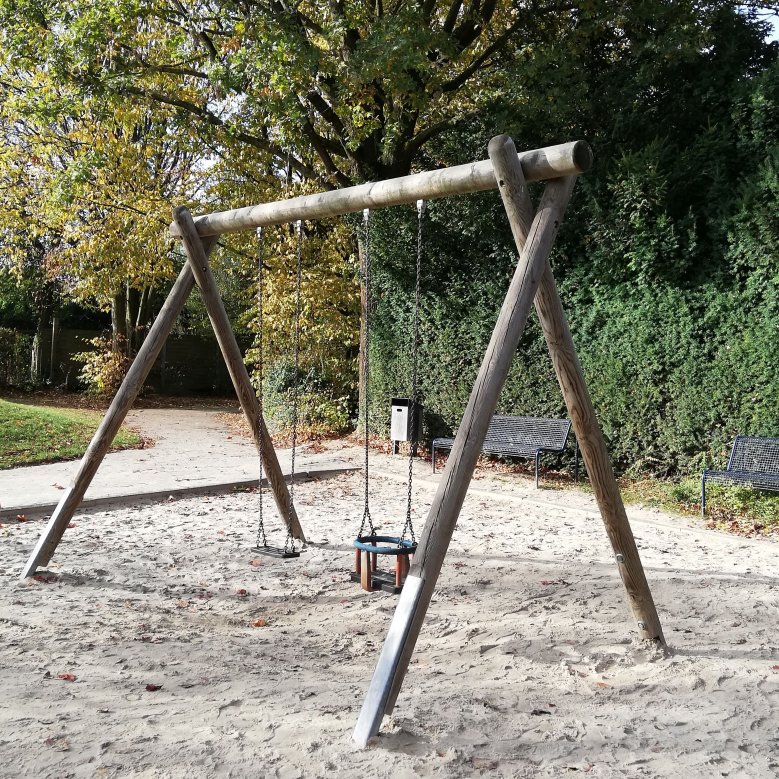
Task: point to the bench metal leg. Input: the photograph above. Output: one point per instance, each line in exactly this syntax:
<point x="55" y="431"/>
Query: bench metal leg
<point x="538" y="457"/>
<point x="576" y="462"/>
<point x="703" y="496"/>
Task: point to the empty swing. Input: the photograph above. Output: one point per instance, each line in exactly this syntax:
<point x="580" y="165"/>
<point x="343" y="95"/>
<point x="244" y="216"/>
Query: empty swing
<point x="369" y="545"/>
<point x="262" y="546"/>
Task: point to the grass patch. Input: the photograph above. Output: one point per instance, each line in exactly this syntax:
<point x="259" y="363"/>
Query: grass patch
<point x="737" y="509"/>
<point x="36" y="434"/>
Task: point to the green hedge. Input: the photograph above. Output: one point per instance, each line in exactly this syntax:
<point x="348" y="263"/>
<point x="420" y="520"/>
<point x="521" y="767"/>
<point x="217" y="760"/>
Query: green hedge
<point x="674" y="308"/>
<point x="15" y="350"/>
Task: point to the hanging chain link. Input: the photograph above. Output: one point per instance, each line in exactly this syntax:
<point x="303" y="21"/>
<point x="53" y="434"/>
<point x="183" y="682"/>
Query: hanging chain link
<point x="289" y="541"/>
<point x="409" y="525"/>
<point x="262" y="541"/>
<point x="366" y="280"/>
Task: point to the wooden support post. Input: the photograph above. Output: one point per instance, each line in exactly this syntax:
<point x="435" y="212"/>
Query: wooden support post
<point x="596" y="457"/>
<point x="401" y="569"/>
<point x="566" y="363"/>
<point x="198" y="261"/>
<point x="112" y="421"/>
<point x="366" y="571"/>
<point x="456" y="477"/>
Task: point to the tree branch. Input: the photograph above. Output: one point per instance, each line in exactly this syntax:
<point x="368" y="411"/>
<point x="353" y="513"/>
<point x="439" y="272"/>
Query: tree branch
<point x="451" y="16"/>
<point x="209" y="117"/>
<point x="455" y="83"/>
<point x="422" y="137"/>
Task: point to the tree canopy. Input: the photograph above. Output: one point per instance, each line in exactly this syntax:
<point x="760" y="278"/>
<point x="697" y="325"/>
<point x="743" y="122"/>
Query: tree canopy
<point x="112" y="110"/>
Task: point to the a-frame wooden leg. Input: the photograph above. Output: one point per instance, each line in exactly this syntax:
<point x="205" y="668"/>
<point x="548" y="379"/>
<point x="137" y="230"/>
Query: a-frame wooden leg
<point x="112" y="421"/>
<point x="566" y="363"/>
<point x="442" y="518"/>
<point x="596" y="457"/>
<point x="198" y="261"/>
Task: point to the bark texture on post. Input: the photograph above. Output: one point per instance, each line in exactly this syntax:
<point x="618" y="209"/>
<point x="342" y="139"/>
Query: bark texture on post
<point x="596" y="456"/>
<point x="112" y="421"/>
<point x="198" y="261"/>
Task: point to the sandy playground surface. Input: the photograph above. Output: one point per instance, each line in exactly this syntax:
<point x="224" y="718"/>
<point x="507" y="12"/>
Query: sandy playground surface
<point x="528" y="665"/>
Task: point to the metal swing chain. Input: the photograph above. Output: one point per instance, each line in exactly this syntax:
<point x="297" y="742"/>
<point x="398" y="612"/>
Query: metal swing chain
<point x="289" y="541"/>
<point x="262" y="541"/>
<point x="408" y="527"/>
<point x="366" y="280"/>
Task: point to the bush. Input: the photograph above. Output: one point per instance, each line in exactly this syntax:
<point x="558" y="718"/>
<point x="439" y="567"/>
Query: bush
<point x="320" y="410"/>
<point x="104" y="368"/>
<point x="15" y="349"/>
<point x="674" y="317"/>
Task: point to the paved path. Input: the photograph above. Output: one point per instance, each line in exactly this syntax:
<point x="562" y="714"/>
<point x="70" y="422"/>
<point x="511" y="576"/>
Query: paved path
<point x="193" y="452"/>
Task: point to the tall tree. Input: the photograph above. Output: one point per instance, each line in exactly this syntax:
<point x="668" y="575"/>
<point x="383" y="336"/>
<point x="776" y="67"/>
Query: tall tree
<point x="87" y="191"/>
<point x="339" y="91"/>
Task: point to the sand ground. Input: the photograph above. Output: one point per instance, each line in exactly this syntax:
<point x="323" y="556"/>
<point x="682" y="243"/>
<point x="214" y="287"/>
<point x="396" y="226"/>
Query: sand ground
<point x="528" y="664"/>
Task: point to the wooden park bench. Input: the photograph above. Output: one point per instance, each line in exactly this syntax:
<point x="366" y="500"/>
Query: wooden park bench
<point x="509" y="436"/>
<point x="754" y="462"/>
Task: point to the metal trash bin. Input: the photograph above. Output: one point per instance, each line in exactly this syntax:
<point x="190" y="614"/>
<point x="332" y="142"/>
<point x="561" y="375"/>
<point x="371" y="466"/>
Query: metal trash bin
<point x="400" y="421"/>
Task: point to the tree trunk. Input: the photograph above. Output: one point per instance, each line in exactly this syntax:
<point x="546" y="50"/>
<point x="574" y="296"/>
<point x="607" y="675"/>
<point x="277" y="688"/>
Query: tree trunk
<point x="142" y="319"/>
<point x="133" y="305"/>
<point x="55" y="328"/>
<point x="36" y="355"/>
<point x="118" y="320"/>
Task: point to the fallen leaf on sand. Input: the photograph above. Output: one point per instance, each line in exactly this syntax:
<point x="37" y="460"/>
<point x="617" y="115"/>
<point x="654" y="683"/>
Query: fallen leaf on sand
<point x="256" y="562"/>
<point x="243" y="592"/>
<point x="601" y="684"/>
<point x="60" y="744"/>
<point x="21" y="518"/>
<point x="775" y="667"/>
<point x="259" y="623"/>
<point x="67" y="677"/>
<point x="58" y="486"/>
<point x="71" y="525"/>
<point x="153" y="687"/>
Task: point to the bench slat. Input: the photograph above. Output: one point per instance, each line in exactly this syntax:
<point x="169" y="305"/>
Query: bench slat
<point x="754" y="453"/>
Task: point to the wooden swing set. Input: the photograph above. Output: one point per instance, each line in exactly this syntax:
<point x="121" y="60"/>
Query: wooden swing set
<point x="534" y="231"/>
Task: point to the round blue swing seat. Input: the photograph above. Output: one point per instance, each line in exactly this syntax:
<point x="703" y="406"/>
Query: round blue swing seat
<point x="370" y="543"/>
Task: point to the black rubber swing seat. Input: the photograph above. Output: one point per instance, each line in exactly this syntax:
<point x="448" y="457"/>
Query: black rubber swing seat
<point x="276" y="551"/>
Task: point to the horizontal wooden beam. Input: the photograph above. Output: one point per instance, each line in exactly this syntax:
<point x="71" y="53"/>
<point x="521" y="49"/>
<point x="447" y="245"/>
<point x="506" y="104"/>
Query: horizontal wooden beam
<point x="552" y="162"/>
